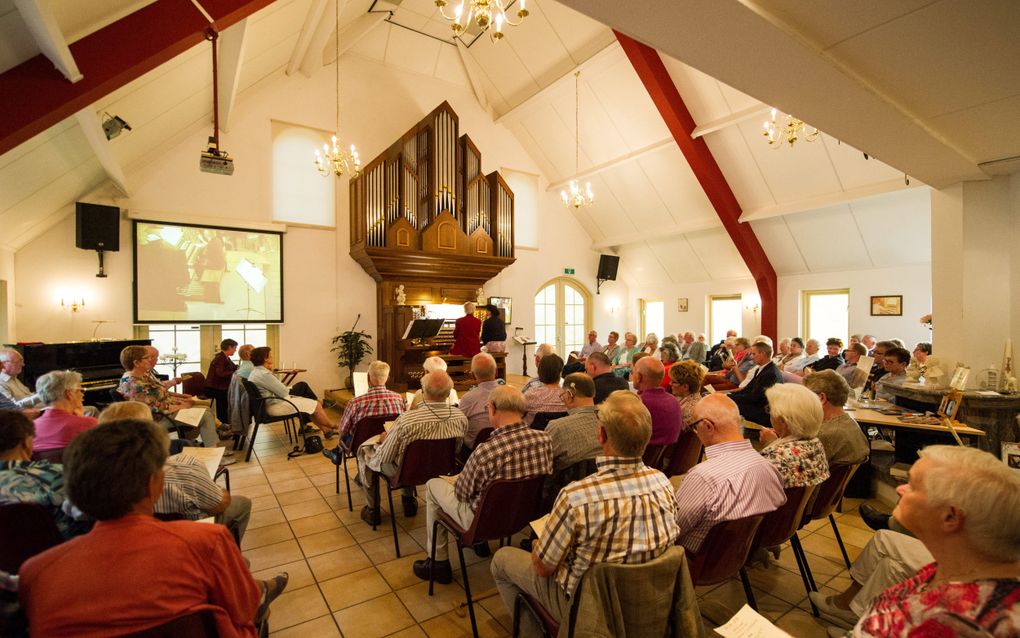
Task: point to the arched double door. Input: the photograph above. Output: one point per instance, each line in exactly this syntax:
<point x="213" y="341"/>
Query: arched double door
<point x="563" y="311"/>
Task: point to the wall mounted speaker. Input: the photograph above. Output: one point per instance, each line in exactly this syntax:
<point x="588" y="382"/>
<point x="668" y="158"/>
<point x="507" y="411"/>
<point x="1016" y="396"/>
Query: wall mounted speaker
<point x="607" y="267"/>
<point x="98" y="227"/>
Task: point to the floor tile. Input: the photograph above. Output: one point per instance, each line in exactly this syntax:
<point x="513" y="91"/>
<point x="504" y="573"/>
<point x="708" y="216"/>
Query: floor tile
<point x="313" y="524"/>
<point x="398" y="573"/>
<point x="273" y="555"/>
<point x="326" y="541"/>
<point x="803" y="625"/>
<point x="355" y="588"/>
<point x="298" y="606"/>
<point x="452" y="625"/>
<point x="410" y="632"/>
<point x="290" y="485"/>
<point x="337" y="563"/>
<point x="266" y="517"/>
<point x="381" y="550"/>
<point x="294" y="497"/>
<point x="308" y="508"/>
<point x="266" y="536"/>
<point x="260" y="503"/>
<point x="322" y="627"/>
<point x="374" y="619"/>
<point x="298" y="572"/>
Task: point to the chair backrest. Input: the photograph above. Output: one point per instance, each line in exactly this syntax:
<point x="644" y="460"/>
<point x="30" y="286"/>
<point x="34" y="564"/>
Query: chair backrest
<point x="194" y="384"/>
<point x="724" y="551"/>
<point x="542" y="419"/>
<point x="55" y="455"/>
<point x="778" y="526"/>
<point x="561" y="478"/>
<point x="506" y="507"/>
<point x="26" y="529"/>
<point x="684" y="454"/>
<point x="115" y="396"/>
<point x="653" y="455"/>
<point x="425" y="459"/>
<point x="830" y="492"/>
<point x="483" y="436"/>
<point x="366" y="428"/>
<point x="255" y="400"/>
<point x="200" y="624"/>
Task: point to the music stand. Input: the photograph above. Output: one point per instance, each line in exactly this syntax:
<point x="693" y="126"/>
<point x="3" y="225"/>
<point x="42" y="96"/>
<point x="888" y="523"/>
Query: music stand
<point x="421" y="329"/>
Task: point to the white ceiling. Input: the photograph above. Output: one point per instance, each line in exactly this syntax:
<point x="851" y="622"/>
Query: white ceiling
<point x="816" y="207"/>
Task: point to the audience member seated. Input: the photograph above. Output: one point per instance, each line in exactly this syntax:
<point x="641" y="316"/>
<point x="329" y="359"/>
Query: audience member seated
<point x="794" y="356"/>
<point x="23" y="480"/>
<point x="960" y="576"/>
<point x="854" y="376"/>
<point x="669" y="354"/>
<point x="11" y="364"/>
<point x="842" y="438"/>
<point x="139" y="384"/>
<point x="812" y="353"/>
<point x="833" y="357"/>
<point x="651" y="344"/>
<point x="473" y="403"/>
<point x="895" y="362"/>
<point x="784" y="350"/>
<point x="919" y="362"/>
<point x="754" y="368"/>
<point x="685" y="382"/>
<point x="732" y="482"/>
<point x="600" y="369"/>
<point x="431" y="364"/>
<point x="148" y="571"/>
<point x="546" y="397"/>
<point x="63" y="419"/>
<point x="493" y="336"/>
<point x="793" y="445"/>
<point x="692" y="350"/>
<point x="878" y="368"/>
<point x="378" y="401"/>
<point x="751" y="400"/>
<point x="573" y="436"/>
<point x="575" y="362"/>
<point x="467" y="333"/>
<point x="434" y="419"/>
<point x="612" y="347"/>
<point x="713" y="358"/>
<point x="246" y="366"/>
<point x="624" y="513"/>
<point x="664" y="409"/>
<point x="735" y="366"/>
<point x="273" y="390"/>
<point x="622" y="360"/>
<point x="7" y="404"/>
<point x="514" y="451"/>
<point x="869" y="342"/>
<point x="217" y="379"/>
<point x="542" y="350"/>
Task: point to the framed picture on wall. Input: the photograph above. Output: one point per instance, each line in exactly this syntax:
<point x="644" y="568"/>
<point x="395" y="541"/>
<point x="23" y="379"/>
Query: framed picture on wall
<point x="504" y="305"/>
<point x="887" y="306"/>
<point x="681" y="304"/>
<point x="1011" y="455"/>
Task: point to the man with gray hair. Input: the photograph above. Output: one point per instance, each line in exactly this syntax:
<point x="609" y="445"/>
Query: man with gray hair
<point x="541" y="351"/>
<point x="11" y="363"/>
<point x="474" y="404"/>
<point x="378" y="401"/>
<point x="431" y="364"/>
<point x="573" y="436"/>
<point x="435" y="419"/>
<point x="467" y="333"/>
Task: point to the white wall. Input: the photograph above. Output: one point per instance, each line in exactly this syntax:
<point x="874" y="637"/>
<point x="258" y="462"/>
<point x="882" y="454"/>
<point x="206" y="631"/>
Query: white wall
<point x="7" y="312"/>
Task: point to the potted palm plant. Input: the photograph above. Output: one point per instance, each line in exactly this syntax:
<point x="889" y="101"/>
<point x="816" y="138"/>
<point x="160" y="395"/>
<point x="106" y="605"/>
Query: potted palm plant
<point x="351" y="348"/>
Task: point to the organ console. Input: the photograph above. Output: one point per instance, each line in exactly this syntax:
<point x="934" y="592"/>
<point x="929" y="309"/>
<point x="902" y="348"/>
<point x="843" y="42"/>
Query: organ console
<point x="425" y="216"/>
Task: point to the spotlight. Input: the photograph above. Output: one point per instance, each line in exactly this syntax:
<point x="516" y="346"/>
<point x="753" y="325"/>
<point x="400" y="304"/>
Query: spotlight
<point x="113" y="125"/>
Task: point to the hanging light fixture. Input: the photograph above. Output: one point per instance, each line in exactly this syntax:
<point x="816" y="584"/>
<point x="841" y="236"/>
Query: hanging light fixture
<point x="577" y="198"/>
<point x="782" y="128"/>
<point x="484" y="13"/>
<point x="333" y="159"/>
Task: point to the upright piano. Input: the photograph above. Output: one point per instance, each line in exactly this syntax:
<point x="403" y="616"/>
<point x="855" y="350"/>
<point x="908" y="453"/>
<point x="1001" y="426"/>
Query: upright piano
<point x="98" y="362"/>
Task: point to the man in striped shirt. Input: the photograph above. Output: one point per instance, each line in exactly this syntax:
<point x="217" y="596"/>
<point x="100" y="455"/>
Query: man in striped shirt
<point x="624" y="513"/>
<point x="378" y="401"/>
<point x="190" y="491"/>
<point x="733" y="482"/>
<point x="514" y="451"/>
<point x="433" y="419"/>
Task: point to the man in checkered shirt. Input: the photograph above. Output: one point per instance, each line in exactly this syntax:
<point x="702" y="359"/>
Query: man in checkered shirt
<point x="624" y="513"/>
<point x="378" y="401"/>
<point x="514" y="451"/>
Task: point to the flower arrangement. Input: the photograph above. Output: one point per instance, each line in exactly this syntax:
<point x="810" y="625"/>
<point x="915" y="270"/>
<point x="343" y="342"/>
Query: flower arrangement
<point x="926" y="321"/>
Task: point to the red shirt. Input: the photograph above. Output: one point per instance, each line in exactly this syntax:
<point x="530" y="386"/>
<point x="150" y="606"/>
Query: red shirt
<point x="465" y="336"/>
<point x="221" y="368"/>
<point x="136" y="572"/>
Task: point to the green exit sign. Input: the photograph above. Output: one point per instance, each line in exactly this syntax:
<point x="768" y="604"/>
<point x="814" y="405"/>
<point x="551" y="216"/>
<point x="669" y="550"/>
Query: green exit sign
<point x="568" y="271"/>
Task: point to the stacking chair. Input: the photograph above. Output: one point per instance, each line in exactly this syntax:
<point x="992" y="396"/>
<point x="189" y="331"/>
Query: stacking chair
<point x="483" y="436"/>
<point x="26" y="529"/>
<point x="682" y="455"/>
<point x="194" y="385"/>
<point x="542" y="419"/>
<point x="200" y="624"/>
<point x="361" y="431"/>
<point x="423" y="460"/>
<point x="261" y="416"/>
<point x="653" y="455"/>
<point x="506" y="507"/>
<point x="723" y="554"/>
<point x="781" y="525"/>
<point x="55" y="455"/>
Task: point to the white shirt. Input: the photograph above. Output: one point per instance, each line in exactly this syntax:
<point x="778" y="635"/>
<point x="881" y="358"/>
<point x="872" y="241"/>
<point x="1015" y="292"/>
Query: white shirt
<point x="18" y="392"/>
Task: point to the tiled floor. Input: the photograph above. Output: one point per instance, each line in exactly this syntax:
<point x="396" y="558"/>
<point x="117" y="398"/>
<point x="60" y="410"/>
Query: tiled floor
<point x="345" y="578"/>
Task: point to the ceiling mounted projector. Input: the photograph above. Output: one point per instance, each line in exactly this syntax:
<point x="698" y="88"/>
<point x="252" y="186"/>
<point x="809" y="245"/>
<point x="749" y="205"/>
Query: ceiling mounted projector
<point x="216" y="161"/>
<point x="113" y="125"/>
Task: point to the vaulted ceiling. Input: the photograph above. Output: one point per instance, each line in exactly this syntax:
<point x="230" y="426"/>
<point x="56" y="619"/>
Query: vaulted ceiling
<point x="922" y="109"/>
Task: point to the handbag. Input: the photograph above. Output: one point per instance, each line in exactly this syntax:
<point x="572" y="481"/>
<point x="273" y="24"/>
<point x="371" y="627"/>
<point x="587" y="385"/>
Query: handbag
<point x="312" y="445"/>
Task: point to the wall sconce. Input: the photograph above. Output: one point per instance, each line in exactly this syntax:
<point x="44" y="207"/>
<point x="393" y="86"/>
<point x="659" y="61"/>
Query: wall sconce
<point x="752" y="302"/>
<point x="613" y="305"/>
<point x="75" y="303"/>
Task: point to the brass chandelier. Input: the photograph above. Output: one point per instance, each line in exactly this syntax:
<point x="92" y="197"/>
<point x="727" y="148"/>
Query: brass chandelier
<point x="485" y="14"/>
<point x="577" y="198"/>
<point x="333" y="159"/>
<point x="786" y="129"/>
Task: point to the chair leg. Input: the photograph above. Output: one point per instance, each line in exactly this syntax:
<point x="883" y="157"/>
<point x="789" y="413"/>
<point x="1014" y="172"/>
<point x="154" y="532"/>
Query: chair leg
<point x="467" y="589"/>
<point x="251" y="444"/>
<point x="839" y="539"/>
<point x="347" y="480"/>
<point x="432" y="557"/>
<point x="393" y="519"/>
<point x="516" y="627"/>
<point x="798" y="553"/>
<point x="748" y="592"/>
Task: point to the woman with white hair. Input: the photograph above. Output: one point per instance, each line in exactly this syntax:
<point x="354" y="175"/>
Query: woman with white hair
<point x="793" y="445"/>
<point x="64" y="417"/>
<point x="651" y="344"/>
<point x="622" y="360"/>
<point x="431" y="364"/>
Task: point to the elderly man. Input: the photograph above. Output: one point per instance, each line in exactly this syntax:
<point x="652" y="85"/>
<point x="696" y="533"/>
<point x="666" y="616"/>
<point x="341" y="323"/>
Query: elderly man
<point x="715" y="350"/>
<point x="575" y="362"/>
<point x="378" y="401"/>
<point x="541" y="351"/>
<point x="751" y="399"/>
<point x="663" y="406"/>
<point x="854" y="376"/>
<point x="732" y="482"/>
<point x="624" y="513"/>
<point x="11" y="363"/>
<point x="869" y="342"/>
<point x="514" y="451"/>
<point x="693" y="350"/>
<point x="600" y="369"/>
<point x="435" y="419"/>
<point x="467" y="333"/>
<point x="812" y="353"/>
<point x="878" y="367"/>
<point x="474" y="403"/>
<point x="573" y="436"/>
<point x="895" y="362"/>
<point x="147" y="571"/>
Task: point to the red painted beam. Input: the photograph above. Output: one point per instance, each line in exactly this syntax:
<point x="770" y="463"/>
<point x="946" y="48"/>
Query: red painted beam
<point x="35" y="96"/>
<point x="664" y="94"/>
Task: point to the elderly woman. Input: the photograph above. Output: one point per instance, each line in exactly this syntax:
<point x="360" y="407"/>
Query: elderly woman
<point x="279" y="399"/>
<point x="431" y="364"/>
<point x="685" y="379"/>
<point x="669" y="354"/>
<point x="493" y="330"/>
<point x="547" y="397"/>
<point x="612" y="347"/>
<point x="245" y="367"/>
<point x="842" y="438"/>
<point x="919" y="361"/>
<point x="63" y="419"/>
<point x="784" y="350"/>
<point x="138" y="384"/>
<point x="793" y="445"/>
<point x="651" y="344"/>
<point x="961" y="574"/>
<point x="833" y="357"/>
<point x="623" y="358"/>
<point x="796" y="352"/>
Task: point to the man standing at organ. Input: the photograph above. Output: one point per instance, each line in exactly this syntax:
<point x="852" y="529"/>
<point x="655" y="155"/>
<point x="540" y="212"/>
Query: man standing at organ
<point x="466" y="333"/>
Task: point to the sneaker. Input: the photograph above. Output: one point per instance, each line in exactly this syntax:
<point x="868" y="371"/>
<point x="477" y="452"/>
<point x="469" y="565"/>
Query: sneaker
<point x="410" y="504"/>
<point x="370" y="516"/>
<point x="332" y="455"/>
<point x="271" y="590"/>
<point x="443" y="573"/>
<point x="482" y="549"/>
<point x="826" y="606"/>
<point x="873" y="517"/>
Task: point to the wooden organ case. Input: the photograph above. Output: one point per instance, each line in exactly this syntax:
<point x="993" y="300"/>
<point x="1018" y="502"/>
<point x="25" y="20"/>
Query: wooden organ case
<point x="423" y="215"/>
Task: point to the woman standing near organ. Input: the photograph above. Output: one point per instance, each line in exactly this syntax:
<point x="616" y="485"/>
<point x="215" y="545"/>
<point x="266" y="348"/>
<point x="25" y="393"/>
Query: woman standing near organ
<point x="493" y="330"/>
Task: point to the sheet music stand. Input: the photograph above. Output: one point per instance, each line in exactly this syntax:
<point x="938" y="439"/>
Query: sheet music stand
<point x="524" y="342"/>
<point x="421" y="329"/>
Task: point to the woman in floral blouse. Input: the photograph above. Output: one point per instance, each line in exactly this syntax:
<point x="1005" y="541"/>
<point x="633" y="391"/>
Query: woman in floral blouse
<point x="793" y="445"/>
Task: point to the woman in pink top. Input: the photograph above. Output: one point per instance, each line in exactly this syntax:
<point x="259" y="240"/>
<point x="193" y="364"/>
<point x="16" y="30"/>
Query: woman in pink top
<point x="63" y="418"/>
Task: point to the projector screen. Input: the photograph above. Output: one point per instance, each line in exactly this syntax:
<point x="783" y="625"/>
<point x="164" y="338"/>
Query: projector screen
<point x="204" y="274"/>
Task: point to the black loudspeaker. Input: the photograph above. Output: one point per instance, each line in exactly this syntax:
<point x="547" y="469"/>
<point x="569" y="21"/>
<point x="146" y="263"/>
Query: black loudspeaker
<point x="98" y="227"/>
<point x="607" y="267"/>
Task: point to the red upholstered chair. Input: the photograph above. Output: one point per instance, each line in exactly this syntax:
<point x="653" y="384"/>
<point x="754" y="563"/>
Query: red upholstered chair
<point x="683" y="455"/>
<point x="197" y="625"/>
<point x="194" y="384"/>
<point x="26" y="529"/>
<point x="724" y="552"/>
<point x="361" y="431"/>
<point x="505" y="508"/>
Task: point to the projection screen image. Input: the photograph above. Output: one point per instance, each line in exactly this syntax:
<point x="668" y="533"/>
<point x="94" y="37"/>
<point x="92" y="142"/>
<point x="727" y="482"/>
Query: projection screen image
<point x="203" y="274"/>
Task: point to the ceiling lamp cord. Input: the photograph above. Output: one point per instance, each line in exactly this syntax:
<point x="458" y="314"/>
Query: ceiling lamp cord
<point x="577" y="198"/>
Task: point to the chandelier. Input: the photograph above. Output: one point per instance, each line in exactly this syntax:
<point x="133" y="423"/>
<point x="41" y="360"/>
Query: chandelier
<point x="332" y="159"/>
<point x="484" y="13"/>
<point x="577" y="198"/>
<point x="782" y="128"/>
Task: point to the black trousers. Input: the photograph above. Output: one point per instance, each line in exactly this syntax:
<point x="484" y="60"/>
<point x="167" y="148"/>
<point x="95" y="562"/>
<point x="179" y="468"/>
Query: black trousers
<point x="222" y="409"/>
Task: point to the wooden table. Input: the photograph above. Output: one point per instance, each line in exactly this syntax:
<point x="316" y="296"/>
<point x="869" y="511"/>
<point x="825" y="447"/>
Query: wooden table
<point x="288" y="375"/>
<point x="910" y="437"/>
<point x="867" y="415"/>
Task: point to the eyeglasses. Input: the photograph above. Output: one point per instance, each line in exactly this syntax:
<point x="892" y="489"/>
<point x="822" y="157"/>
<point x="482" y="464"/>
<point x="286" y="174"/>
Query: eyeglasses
<point x="693" y="425"/>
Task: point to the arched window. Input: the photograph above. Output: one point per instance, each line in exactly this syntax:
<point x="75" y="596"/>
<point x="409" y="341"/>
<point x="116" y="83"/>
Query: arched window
<point x="562" y="315"/>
